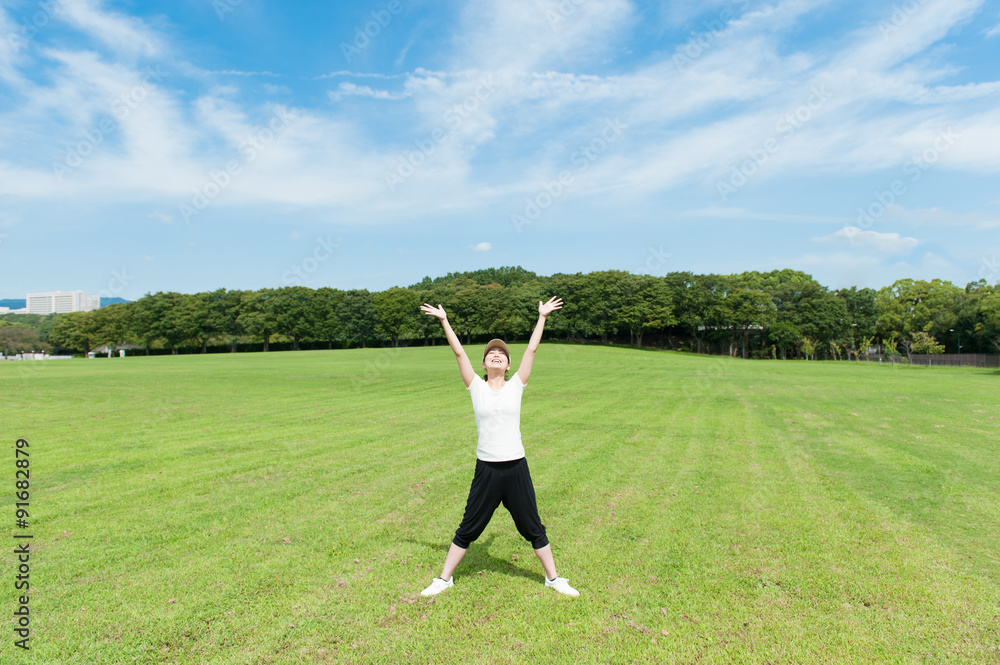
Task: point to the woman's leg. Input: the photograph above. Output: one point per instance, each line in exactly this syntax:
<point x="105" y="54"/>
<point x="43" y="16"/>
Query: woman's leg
<point x="544" y="555"/>
<point x="519" y="499"/>
<point x="479" y="508"/>
<point x="455" y="554"/>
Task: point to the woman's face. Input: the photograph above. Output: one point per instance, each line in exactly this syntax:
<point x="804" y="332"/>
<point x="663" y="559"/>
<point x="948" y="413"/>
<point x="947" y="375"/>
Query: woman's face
<point x="496" y="358"/>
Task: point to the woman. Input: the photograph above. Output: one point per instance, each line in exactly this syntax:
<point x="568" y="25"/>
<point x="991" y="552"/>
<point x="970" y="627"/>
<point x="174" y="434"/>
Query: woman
<point x="501" y="468"/>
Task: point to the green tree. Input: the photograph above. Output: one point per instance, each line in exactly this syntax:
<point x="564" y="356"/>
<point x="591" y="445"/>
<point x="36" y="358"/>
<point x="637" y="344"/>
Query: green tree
<point x="600" y="299"/>
<point x="977" y="323"/>
<point x="464" y="306"/>
<point x="73" y="332"/>
<point x="357" y="313"/>
<point x="225" y="307"/>
<point x="786" y="337"/>
<point x="573" y="320"/>
<point x="520" y="313"/>
<point x="112" y="325"/>
<point x="494" y="308"/>
<point x="507" y="276"/>
<point x="987" y="319"/>
<point x="327" y="303"/>
<point x="862" y="317"/>
<point x="15" y="339"/>
<point x="295" y="313"/>
<point x="804" y="303"/>
<point x="645" y="304"/>
<point x="808" y="348"/>
<point x="394" y="311"/>
<point x="167" y="316"/>
<point x="697" y="304"/>
<point x="257" y="315"/>
<point x="210" y="316"/>
<point x="742" y="311"/>
<point x="924" y="343"/>
<point x="28" y="321"/>
<point x="432" y="294"/>
<point x="911" y="306"/>
<point x="890" y="347"/>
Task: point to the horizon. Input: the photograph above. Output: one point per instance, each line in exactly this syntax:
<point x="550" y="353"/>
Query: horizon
<point x="186" y="146"/>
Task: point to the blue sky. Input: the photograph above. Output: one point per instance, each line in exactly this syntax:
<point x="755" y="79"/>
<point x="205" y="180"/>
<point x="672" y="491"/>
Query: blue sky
<point x="197" y="144"/>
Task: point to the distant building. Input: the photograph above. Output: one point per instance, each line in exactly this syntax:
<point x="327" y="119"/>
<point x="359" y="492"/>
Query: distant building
<point x="61" y="302"/>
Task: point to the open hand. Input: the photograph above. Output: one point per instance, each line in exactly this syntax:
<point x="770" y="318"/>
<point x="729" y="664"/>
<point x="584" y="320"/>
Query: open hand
<point x="436" y="312"/>
<point x="553" y="304"/>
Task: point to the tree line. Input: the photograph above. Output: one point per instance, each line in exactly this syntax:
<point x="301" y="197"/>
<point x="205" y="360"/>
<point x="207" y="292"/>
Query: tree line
<point x="777" y="314"/>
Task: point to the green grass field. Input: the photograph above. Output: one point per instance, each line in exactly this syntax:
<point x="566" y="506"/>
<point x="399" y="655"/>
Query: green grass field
<point x="289" y="507"/>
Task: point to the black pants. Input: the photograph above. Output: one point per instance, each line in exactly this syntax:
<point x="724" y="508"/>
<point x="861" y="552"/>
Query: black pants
<point x="508" y="483"/>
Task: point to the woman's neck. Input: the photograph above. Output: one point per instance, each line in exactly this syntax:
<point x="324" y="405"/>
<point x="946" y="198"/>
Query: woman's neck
<point x="495" y="379"/>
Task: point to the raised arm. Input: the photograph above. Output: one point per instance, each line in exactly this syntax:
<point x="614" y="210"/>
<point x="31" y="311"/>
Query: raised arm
<point x="464" y="366"/>
<point x="528" y="359"/>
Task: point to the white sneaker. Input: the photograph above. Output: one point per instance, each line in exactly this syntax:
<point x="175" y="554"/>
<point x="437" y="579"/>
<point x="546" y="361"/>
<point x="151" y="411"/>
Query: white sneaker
<point x="437" y="586"/>
<point x="561" y="584"/>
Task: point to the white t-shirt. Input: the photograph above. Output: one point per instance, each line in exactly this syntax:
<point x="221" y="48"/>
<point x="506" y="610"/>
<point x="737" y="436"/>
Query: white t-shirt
<point x="498" y="419"/>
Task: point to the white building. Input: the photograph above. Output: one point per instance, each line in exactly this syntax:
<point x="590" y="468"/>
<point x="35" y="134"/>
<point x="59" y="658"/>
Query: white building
<point x="60" y="302"/>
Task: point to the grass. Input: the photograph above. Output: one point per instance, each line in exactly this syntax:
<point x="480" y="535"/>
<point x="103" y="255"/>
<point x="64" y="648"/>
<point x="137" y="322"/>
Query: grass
<point x="289" y="507"/>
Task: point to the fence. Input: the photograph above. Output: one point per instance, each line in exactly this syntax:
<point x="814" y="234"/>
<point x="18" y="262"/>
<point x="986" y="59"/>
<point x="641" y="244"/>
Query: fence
<point x="957" y="359"/>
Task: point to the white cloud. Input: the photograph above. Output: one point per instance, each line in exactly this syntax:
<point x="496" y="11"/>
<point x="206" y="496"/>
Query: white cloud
<point x="272" y="89"/>
<point x="732" y="213"/>
<point x="883" y="243"/>
<point x="11" y="42"/>
<point x="236" y="72"/>
<point x="527" y="35"/>
<point x="845" y="269"/>
<point x="121" y="33"/>
<point x="679" y="12"/>
<point x="685" y="126"/>
<point x="930" y="264"/>
<point x="941" y="218"/>
<point x="375" y="75"/>
<point x="482" y="247"/>
<point x="163" y="217"/>
<point x="350" y="89"/>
